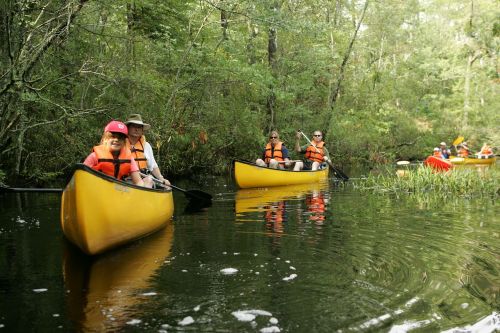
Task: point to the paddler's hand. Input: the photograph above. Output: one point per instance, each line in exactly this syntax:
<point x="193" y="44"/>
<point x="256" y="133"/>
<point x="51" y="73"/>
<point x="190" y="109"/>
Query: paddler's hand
<point x="325" y="158"/>
<point x="298" y="135"/>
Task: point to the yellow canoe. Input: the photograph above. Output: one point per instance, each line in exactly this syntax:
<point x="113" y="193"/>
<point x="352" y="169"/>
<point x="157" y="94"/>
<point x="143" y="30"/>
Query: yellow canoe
<point x="256" y="199"/>
<point x="103" y="290"/>
<point x="248" y="175"/>
<point x="99" y="212"/>
<point x="490" y="159"/>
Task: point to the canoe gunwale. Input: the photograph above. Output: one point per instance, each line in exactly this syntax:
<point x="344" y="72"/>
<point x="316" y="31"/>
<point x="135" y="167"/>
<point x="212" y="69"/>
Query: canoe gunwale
<point x="101" y="175"/>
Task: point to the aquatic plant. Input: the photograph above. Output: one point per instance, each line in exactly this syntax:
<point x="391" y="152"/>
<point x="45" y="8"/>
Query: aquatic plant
<point x="463" y="182"/>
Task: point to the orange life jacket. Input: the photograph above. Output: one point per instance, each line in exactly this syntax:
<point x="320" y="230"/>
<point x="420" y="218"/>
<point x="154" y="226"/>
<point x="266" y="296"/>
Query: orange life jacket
<point x="138" y="152"/>
<point x="316" y="206"/>
<point x="486" y="151"/>
<point x="315" y="155"/>
<point x="274" y="152"/>
<point x="115" y="167"/>
<point x="462" y="152"/>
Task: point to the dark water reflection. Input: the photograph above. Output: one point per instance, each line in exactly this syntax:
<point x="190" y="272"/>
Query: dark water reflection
<point x="300" y="259"/>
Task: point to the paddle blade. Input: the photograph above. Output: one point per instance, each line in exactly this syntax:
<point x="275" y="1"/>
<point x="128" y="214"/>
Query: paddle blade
<point x="197" y="194"/>
<point x="458" y="141"/>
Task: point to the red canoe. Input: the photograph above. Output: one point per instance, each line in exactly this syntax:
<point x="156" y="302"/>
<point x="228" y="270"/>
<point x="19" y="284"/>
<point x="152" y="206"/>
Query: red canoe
<point x="438" y="163"/>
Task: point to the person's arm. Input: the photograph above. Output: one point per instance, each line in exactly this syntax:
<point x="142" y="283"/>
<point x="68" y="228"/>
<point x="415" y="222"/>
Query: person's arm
<point x="152" y="165"/>
<point x="136" y="178"/>
<point x="286" y="158"/>
<point x="91" y="160"/>
<point x="326" y="155"/>
<point x="156" y="172"/>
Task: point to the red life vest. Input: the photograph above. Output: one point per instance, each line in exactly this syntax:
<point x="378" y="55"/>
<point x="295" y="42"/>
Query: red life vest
<point x="138" y="152"/>
<point x="115" y="167"/>
<point x="274" y="152"/>
<point x="315" y="154"/>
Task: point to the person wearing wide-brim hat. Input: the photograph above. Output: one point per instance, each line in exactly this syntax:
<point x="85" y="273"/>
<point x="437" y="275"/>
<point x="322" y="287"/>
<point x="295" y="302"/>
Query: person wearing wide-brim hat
<point x="141" y="149"/>
<point x="444" y="150"/>
<point x="463" y="150"/>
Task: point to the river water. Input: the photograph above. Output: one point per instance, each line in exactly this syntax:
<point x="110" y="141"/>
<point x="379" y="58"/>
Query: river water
<point x="321" y="258"/>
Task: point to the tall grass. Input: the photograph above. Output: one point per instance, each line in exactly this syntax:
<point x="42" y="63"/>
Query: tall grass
<point x="463" y="182"/>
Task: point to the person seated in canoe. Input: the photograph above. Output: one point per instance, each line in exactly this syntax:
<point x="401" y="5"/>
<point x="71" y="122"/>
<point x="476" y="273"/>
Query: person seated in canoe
<point x="315" y="154"/>
<point x="275" y="154"/>
<point x="142" y="150"/>
<point x="112" y="157"/>
<point x="486" y="151"/>
<point x="437" y="153"/>
<point x="444" y="150"/>
<point x="463" y="150"/>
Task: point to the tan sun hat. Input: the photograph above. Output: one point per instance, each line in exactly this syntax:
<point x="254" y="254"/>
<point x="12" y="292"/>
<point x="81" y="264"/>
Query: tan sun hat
<point x="136" y="118"/>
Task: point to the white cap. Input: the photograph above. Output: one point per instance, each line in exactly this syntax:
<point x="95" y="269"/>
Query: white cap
<point x="436" y="149"/>
<point x="443" y="143"/>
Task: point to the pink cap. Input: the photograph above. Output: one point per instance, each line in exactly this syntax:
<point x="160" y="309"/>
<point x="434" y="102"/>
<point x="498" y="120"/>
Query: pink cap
<point x="116" y="127"/>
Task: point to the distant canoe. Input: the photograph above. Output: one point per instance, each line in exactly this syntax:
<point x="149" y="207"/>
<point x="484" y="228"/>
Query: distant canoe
<point x="484" y="159"/>
<point x="248" y="175"/>
<point x="99" y="212"/>
<point x="438" y="163"/>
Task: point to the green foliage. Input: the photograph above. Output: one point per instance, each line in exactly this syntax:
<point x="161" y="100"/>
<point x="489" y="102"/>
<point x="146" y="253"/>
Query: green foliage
<point x="204" y="86"/>
<point x="463" y="182"/>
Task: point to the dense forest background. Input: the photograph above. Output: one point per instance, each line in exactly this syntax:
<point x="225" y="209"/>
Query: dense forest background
<point x="385" y="79"/>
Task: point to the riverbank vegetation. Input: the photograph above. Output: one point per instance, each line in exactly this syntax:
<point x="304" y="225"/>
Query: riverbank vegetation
<point x="384" y="79"/>
<point x="461" y="182"/>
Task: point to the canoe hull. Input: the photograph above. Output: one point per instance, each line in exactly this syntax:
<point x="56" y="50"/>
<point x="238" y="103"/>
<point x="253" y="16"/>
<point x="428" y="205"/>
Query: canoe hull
<point x="467" y="160"/>
<point x="438" y="163"/>
<point x="99" y="212"/>
<point x="248" y="175"/>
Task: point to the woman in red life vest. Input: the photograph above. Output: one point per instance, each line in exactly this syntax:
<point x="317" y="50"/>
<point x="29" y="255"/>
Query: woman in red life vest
<point x="275" y="154"/>
<point x="314" y="155"/>
<point x="112" y="157"/>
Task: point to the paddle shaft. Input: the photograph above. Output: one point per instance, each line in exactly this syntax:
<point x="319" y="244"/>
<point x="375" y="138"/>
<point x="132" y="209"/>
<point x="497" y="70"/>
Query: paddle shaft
<point x="190" y="194"/>
<point x="338" y="173"/>
<point x="30" y="189"/>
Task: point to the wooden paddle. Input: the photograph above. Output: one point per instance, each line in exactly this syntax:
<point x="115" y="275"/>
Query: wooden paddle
<point x="336" y="172"/>
<point x="190" y="194"/>
<point x="30" y="189"/>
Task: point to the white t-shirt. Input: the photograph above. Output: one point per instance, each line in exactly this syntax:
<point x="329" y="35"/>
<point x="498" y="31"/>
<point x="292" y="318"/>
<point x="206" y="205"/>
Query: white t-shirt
<point x="148" y="153"/>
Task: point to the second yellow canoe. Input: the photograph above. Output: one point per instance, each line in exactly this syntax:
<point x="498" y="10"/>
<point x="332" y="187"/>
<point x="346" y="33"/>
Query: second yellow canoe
<point x="488" y="160"/>
<point x="248" y="175"/>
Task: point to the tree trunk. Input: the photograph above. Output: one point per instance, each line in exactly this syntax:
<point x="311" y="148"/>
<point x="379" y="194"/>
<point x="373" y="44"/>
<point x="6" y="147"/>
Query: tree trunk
<point x="336" y="87"/>
<point x="272" y="48"/>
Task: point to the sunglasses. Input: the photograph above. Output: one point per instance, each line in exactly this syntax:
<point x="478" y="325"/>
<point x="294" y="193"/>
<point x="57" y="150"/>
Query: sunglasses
<point x="118" y="136"/>
<point x="317" y="135"/>
<point x="273" y="137"/>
